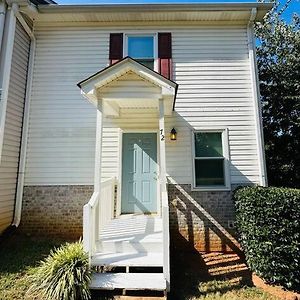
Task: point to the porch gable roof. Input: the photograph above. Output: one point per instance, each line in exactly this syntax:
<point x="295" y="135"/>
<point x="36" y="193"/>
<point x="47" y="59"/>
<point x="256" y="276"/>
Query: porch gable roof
<point x="98" y="85"/>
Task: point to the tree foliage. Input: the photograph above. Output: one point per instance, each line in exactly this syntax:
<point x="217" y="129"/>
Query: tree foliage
<point x="278" y="57"/>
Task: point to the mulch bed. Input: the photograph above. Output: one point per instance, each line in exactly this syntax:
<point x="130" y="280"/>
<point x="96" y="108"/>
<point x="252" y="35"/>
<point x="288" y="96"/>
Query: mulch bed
<point x="274" y="290"/>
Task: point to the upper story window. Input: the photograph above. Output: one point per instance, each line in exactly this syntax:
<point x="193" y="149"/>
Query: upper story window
<point x="142" y="49"/>
<point x="151" y="49"/>
<point x="210" y="160"/>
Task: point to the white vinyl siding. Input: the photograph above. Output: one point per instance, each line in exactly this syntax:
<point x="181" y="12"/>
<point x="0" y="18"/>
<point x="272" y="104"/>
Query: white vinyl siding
<point x="13" y="127"/>
<point x="62" y="124"/>
<point x="211" y="66"/>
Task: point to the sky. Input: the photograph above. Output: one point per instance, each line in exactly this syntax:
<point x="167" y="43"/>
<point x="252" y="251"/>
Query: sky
<point x="293" y="7"/>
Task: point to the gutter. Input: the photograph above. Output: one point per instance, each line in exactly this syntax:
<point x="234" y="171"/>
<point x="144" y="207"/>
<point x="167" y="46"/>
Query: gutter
<point x="257" y="102"/>
<point x="24" y="137"/>
<point x="157" y="7"/>
<point x="2" y="23"/>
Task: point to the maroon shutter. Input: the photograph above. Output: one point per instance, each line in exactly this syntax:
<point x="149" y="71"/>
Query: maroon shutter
<point x="115" y="47"/>
<point x="165" y="54"/>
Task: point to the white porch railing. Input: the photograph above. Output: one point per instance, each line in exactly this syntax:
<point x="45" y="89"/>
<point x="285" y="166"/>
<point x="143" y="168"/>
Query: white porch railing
<point x="97" y="213"/>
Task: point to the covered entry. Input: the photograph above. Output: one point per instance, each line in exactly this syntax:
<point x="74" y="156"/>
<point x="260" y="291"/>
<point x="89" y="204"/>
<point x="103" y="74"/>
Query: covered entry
<point x="131" y="228"/>
<point x="122" y="86"/>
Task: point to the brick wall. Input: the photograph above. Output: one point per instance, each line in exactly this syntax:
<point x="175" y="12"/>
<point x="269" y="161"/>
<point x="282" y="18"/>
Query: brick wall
<point x="199" y="220"/>
<point x="54" y="210"/>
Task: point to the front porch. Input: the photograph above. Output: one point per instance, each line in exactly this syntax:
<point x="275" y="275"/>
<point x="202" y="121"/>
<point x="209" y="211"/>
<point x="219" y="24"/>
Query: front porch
<point x="126" y="222"/>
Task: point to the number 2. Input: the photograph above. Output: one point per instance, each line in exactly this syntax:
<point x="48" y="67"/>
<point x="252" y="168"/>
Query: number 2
<point x="162" y="137"/>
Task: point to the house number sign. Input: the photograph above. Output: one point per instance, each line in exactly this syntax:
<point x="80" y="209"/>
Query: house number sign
<point x="162" y="136"/>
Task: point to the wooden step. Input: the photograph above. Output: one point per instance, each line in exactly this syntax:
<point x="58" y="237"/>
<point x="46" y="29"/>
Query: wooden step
<point x="128" y="281"/>
<point x="143" y="243"/>
<point x="140" y="259"/>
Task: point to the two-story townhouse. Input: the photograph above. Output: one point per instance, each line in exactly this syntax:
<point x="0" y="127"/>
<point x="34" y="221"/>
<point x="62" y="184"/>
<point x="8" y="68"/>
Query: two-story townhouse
<point x="133" y="123"/>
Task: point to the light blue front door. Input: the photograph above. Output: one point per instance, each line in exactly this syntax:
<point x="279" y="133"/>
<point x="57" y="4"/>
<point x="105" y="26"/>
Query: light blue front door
<point x="139" y="173"/>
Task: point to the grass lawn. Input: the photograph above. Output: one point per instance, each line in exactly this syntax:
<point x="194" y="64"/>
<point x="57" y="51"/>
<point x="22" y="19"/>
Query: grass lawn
<point x="212" y="276"/>
<point x="228" y="290"/>
<point x="19" y="255"/>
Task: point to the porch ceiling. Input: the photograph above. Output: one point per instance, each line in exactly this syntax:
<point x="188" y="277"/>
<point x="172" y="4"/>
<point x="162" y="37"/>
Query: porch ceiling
<point x="128" y="84"/>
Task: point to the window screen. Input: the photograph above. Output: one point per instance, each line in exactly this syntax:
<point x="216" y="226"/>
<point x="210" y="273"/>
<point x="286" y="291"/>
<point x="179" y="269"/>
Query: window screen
<point x="209" y="159"/>
<point x="141" y="48"/>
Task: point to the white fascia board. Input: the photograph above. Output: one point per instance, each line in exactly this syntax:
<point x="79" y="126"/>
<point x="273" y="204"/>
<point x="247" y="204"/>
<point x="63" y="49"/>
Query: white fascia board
<point x="104" y="77"/>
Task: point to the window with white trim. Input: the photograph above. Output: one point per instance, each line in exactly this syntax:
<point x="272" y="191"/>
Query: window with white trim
<point x="210" y="159"/>
<point x="142" y="49"/>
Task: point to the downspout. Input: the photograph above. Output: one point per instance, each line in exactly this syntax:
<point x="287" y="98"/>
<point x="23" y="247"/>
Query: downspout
<point x="256" y="97"/>
<point x="6" y="59"/>
<point x="24" y="139"/>
<point x="2" y="21"/>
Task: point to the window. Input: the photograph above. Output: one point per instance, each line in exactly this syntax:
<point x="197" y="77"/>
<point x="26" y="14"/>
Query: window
<point x="141" y="48"/>
<point x="210" y="163"/>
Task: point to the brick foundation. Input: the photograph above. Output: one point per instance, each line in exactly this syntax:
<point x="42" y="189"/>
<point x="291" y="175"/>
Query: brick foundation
<point x="198" y="219"/>
<point x="54" y="211"/>
<point x="194" y="215"/>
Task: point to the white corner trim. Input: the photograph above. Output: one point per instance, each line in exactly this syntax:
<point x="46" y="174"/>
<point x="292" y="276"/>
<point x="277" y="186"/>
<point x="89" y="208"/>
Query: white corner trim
<point x="256" y="102"/>
<point x="25" y="128"/>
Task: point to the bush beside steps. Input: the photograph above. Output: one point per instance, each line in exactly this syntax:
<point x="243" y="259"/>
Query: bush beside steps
<point x="268" y="221"/>
<point x="63" y="275"/>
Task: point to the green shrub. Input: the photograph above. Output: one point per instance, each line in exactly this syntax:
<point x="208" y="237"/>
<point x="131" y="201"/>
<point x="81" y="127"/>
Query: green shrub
<point x="268" y="221"/>
<point x="63" y="275"/>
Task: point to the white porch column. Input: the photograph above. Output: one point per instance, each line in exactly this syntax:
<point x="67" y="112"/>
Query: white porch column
<point x="162" y="146"/>
<point x="98" y="150"/>
<point x="164" y="194"/>
<point x="98" y="160"/>
<point x="91" y="211"/>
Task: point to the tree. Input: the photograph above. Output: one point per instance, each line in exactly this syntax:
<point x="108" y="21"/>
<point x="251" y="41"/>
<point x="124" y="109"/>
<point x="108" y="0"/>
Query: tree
<point x="278" y="57"/>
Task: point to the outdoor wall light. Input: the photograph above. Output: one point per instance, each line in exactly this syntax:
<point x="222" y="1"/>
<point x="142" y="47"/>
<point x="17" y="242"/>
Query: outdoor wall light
<point x="173" y="134"/>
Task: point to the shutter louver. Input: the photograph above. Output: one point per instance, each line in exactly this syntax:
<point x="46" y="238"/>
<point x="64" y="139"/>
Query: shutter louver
<point x="115" y="47"/>
<point x="165" y="54"/>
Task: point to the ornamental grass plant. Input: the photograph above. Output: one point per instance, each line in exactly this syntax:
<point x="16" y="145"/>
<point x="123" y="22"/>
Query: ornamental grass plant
<point x="63" y="275"/>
